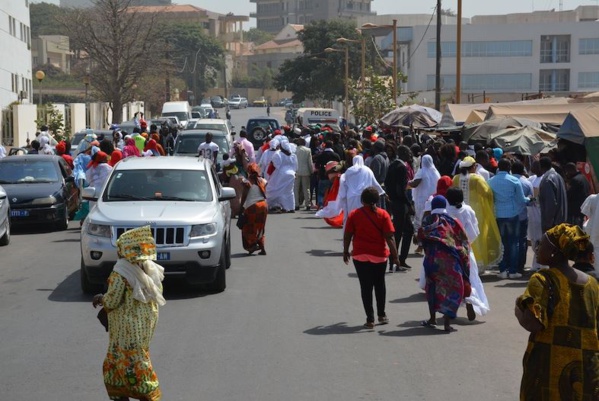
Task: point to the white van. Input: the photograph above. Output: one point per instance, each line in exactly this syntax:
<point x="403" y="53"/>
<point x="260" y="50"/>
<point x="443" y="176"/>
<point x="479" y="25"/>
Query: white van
<point x="181" y="110"/>
<point x="310" y="116"/>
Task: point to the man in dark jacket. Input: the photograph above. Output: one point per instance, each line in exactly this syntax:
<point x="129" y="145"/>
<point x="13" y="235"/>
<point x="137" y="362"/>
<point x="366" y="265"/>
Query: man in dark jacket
<point x="323" y="180"/>
<point x="577" y="190"/>
<point x="553" y="200"/>
<point x="396" y="183"/>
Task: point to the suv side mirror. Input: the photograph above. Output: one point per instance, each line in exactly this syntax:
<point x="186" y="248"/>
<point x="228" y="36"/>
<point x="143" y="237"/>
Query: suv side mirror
<point x="89" y="194"/>
<point x="227" y="194"/>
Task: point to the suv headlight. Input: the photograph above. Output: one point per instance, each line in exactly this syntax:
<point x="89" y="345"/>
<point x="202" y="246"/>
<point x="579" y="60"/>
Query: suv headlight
<point x="203" y="230"/>
<point x="98" y="230"/>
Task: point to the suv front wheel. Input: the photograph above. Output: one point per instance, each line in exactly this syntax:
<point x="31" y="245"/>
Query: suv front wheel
<point x="220" y="281"/>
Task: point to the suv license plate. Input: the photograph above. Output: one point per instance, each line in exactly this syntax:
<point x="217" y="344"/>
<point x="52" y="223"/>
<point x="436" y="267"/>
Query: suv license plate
<point x="163" y="256"/>
<point x="19" y="213"/>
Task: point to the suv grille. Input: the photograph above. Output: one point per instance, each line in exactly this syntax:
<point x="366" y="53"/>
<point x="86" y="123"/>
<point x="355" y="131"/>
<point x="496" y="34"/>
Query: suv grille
<point x="164" y="236"/>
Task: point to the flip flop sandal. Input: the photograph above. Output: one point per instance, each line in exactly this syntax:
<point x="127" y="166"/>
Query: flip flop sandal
<point x="369" y="325"/>
<point x="426" y="323"/>
<point x="450" y="329"/>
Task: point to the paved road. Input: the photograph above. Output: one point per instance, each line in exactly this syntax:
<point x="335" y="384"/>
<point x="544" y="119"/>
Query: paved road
<point x="288" y="327"/>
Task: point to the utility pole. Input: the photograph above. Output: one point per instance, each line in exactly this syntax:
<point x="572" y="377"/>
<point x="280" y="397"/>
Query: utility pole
<point x="458" y="58"/>
<point x="438" y="68"/>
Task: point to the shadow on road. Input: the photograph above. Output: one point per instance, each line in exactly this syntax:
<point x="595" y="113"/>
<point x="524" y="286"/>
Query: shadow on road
<point x="337" y="328"/>
<point x="321" y="228"/>
<point x="69" y="290"/>
<point x="514" y="284"/>
<point x="68" y="240"/>
<point x="418" y="297"/>
<point x="324" y="252"/>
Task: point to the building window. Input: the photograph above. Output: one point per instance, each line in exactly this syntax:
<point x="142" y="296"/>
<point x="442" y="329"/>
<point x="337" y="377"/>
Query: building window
<point x="588" y="80"/>
<point x="481" y="82"/>
<point x="349" y="5"/>
<point x="509" y="48"/>
<point x="555" y="49"/>
<point x="554" y="80"/>
<point x="588" y="46"/>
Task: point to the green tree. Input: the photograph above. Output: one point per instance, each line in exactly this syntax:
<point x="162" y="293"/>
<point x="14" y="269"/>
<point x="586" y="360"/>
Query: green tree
<point x="117" y="41"/>
<point x="257" y="36"/>
<point x="192" y="55"/>
<point x="377" y="98"/>
<point x="44" y="19"/>
<point x="318" y="75"/>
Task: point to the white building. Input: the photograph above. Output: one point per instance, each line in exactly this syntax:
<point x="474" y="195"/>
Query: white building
<point x="15" y="41"/>
<point x="506" y="56"/>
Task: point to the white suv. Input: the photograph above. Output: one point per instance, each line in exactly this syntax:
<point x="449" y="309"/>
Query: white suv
<point x="182" y="200"/>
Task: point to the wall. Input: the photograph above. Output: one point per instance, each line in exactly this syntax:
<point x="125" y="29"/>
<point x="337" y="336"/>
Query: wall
<point x="77" y="117"/>
<point x="24" y="116"/>
<point x="16" y="60"/>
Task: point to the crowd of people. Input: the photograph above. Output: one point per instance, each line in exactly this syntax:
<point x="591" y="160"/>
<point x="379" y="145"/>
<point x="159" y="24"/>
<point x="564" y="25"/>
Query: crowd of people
<point x="465" y="208"/>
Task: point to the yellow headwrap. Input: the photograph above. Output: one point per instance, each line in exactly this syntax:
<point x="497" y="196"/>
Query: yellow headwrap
<point x="569" y="239"/>
<point x="137" y="245"/>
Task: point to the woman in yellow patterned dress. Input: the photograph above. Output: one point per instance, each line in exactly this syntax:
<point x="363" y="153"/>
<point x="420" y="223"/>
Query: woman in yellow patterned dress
<point x="132" y="300"/>
<point x="560" y="308"/>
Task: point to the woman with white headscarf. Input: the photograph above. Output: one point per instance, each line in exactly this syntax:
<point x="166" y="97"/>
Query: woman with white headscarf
<point x="590" y="209"/>
<point x="353" y="182"/>
<point x="423" y="186"/>
<point x="267" y="156"/>
<point x="279" y="190"/>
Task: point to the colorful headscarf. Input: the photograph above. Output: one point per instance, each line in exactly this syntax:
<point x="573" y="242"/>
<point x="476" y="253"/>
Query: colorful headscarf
<point x="61" y="148"/>
<point x="568" y="239"/>
<point x="137" y="245"/>
<point x="97" y="158"/>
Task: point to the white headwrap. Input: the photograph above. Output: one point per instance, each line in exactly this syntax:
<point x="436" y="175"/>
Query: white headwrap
<point x="429" y="176"/>
<point x="358" y="177"/>
<point x="145" y="279"/>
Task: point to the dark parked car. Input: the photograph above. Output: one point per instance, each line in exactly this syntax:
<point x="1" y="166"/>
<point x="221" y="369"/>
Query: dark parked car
<point x="217" y="102"/>
<point x="4" y="218"/>
<point x="40" y="189"/>
<point x="258" y="129"/>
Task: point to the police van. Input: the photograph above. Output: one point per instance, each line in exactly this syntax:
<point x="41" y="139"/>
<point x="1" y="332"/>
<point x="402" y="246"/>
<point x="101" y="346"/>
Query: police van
<point x="306" y="117"/>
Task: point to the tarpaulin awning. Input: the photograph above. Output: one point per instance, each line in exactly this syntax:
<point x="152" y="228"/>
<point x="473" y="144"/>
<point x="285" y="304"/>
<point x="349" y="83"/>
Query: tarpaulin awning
<point x="523" y="140"/>
<point x="580" y="125"/>
<point x="416" y="115"/>
<point x="484" y="130"/>
<point x="547" y="113"/>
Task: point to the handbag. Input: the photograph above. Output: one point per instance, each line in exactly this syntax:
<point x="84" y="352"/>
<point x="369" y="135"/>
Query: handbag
<point x="103" y="318"/>
<point x="241" y="220"/>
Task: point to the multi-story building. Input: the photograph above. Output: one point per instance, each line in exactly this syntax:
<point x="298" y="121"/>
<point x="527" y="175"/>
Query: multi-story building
<point x="52" y="49"/>
<point x="506" y="56"/>
<point x="15" y="40"/>
<point x="273" y="53"/>
<point x="273" y="15"/>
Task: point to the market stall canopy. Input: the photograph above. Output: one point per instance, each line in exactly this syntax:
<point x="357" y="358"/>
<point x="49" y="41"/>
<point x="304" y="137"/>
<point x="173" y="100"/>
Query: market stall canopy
<point x="483" y="131"/>
<point x="466" y="113"/>
<point x="416" y="115"/>
<point x="580" y="125"/>
<point x="547" y="113"/>
<point x="523" y="140"/>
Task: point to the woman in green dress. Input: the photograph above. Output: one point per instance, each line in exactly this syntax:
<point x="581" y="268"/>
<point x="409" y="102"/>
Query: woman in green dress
<point x="560" y="308"/>
<point x="132" y="300"/>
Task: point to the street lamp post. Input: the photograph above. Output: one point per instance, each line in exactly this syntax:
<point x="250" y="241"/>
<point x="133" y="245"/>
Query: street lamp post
<point x="363" y="45"/>
<point x="40" y="75"/>
<point x="86" y="81"/>
<point x="394" y="28"/>
<point x="458" y="76"/>
<point x="346" y="100"/>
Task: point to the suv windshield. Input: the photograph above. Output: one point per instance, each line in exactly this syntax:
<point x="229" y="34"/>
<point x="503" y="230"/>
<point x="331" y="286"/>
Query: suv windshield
<point x="27" y="172"/>
<point x="158" y="185"/>
<point x="210" y="126"/>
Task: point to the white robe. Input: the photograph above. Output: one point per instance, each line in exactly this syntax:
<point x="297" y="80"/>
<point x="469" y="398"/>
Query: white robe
<point x="279" y="190"/>
<point x="353" y="182"/>
<point x="590" y="209"/>
<point x="535" y="232"/>
<point x="429" y="176"/>
<point x="478" y="297"/>
<point x="265" y="160"/>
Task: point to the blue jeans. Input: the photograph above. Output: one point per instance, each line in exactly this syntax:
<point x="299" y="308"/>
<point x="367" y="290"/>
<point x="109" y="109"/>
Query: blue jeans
<point x="523" y="245"/>
<point x="509" y="229"/>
